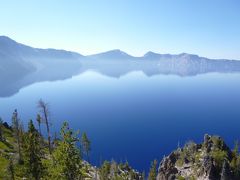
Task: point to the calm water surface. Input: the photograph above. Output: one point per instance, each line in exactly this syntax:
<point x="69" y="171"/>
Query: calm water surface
<point x="135" y="117"/>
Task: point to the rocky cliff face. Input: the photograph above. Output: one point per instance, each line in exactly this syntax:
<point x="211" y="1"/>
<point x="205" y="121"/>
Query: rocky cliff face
<point x="211" y="160"/>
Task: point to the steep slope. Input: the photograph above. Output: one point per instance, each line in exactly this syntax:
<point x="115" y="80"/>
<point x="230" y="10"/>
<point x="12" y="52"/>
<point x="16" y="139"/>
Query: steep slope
<point x="14" y="49"/>
<point x="20" y="59"/>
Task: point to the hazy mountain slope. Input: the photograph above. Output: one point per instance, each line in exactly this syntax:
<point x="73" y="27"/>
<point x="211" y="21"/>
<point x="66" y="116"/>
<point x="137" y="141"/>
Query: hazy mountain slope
<point x="112" y="55"/>
<point x="15" y="56"/>
<point x="21" y="65"/>
<point x="14" y="49"/>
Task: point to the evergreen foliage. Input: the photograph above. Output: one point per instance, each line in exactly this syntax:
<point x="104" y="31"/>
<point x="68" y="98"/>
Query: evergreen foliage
<point x="32" y="153"/>
<point x="86" y="145"/>
<point x="16" y="125"/>
<point x="153" y="171"/>
<point x="44" y="109"/>
<point x="104" y="170"/>
<point x="66" y="156"/>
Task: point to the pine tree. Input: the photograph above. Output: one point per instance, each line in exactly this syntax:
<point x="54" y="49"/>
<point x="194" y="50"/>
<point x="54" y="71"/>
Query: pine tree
<point x="44" y="109"/>
<point x="153" y="171"/>
<point x="235" y="163"/>
<point x="16" y="131"/>
<point x="32" y="153"/>
<point x="104" y="170"/>
<point x="86" y="145"/>
<point x="67" y="157"/>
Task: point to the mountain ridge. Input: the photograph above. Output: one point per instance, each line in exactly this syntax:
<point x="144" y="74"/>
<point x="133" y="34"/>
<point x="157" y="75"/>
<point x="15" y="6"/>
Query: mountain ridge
<point x="11" y="47"/>
<point x="115" y="53"/>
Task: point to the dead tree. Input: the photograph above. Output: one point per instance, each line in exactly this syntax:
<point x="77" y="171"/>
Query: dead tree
<point x="44" y="110"/>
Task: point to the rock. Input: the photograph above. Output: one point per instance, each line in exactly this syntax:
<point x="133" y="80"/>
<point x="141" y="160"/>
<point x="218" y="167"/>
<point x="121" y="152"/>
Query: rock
<point x="208" y="166"/>
<point x="199" y="161"/>
<point x="226" y="173"/>
<point x="167" y="169"/>
<point x="5" y="124"/>
<point x="207" y="143"/>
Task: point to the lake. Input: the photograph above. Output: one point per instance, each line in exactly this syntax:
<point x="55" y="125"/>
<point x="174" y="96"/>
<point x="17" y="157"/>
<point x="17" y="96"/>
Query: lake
<point x="136" y="117"/>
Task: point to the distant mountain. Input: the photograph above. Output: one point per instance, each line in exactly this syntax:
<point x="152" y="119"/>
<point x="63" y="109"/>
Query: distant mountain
<point x="117" y="63"/>
<point x="155" y="56"/>
<point x="19" y="57"/>
<point x="21" y="65"/>
<point x="12" y="48"/>
<point x="113" y="54"/>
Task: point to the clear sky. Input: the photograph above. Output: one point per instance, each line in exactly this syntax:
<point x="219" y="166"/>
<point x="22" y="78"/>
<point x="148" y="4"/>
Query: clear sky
<point x="205" y="27"/>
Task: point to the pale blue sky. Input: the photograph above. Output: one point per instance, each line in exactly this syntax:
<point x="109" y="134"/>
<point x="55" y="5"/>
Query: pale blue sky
<point x="206" y="27"/>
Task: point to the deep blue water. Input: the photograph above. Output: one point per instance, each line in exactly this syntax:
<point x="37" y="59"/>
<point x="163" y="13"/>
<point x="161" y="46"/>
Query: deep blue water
<point x="135" y="117"/>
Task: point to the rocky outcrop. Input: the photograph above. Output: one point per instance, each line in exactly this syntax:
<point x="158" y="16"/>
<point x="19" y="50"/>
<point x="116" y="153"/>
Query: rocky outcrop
<point x="211" y="160"/>
<point x="112" y="170"/>
<point x="167" y="168"/>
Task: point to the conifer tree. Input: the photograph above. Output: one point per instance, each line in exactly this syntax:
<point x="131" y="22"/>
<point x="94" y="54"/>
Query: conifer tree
<point x="16" y="131"/>
<point x="66" y="157"/>
<point x="153" y="171"/>
<point x="104" y="170"/>
<point x="32" y="153"/>
<point x="44" y="109"/>
<point x="86" y="145"/>
<point x="235" y="163"/>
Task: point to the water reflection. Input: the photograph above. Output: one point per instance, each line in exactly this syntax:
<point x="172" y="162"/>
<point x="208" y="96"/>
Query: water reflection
<point x="12" y="78"/>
